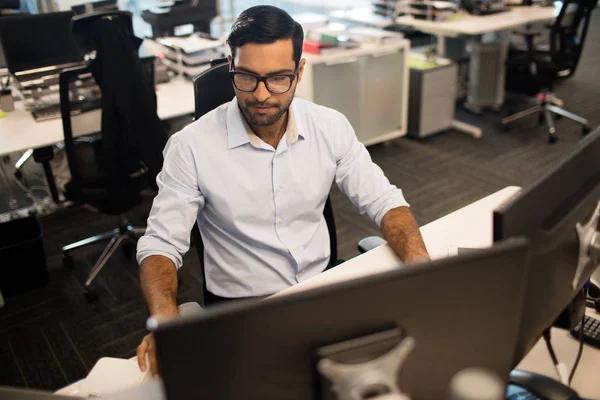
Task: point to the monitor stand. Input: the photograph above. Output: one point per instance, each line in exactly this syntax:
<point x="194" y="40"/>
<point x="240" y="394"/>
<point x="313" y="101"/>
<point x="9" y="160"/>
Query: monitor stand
<point x="365" y="367"/>
<point x="589" y="245"/>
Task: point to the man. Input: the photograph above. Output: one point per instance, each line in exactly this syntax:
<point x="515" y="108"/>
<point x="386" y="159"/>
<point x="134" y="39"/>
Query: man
<point x="255" y="174"/>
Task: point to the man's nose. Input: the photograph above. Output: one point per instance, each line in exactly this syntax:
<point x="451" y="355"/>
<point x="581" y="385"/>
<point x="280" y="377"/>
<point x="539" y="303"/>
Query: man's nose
<point x="261" y="93"/>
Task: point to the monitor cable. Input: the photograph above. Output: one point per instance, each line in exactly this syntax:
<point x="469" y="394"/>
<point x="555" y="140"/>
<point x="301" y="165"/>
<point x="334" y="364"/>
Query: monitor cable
<point x="579" y="352"/>
<point x="561" y="368"/>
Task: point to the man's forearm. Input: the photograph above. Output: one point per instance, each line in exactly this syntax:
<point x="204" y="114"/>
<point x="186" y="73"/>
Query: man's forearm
<point x="158" y="276"/>
<point x="402" y="233"/>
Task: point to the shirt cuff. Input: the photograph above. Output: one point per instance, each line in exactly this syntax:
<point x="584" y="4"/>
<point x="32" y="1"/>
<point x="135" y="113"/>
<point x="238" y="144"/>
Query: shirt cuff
<point x="149" y="246"/>
<point x="395" y="201"/>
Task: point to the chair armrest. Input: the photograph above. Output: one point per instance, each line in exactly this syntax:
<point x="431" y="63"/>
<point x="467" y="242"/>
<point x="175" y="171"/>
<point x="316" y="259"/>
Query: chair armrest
<point x="190" y="308"/>
<point x="369" y="243"/>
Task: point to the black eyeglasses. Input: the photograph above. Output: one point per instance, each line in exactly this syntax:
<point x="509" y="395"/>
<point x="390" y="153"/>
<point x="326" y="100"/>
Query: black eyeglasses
<point x="276" y="84"/>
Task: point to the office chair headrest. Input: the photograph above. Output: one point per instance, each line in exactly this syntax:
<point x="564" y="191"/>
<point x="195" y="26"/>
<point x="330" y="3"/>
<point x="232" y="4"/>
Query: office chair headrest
<point x="86" y="28"/>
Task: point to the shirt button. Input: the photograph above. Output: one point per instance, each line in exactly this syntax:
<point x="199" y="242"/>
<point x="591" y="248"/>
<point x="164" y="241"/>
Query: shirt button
<point x="293" y="247"/>
<point x="278" y="188"/>
<point x="280" y="221"/>
<point x="300" y="274"/>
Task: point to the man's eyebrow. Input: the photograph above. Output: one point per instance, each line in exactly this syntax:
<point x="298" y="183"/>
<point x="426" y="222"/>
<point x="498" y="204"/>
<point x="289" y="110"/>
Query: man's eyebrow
<point x="279" y="71"/>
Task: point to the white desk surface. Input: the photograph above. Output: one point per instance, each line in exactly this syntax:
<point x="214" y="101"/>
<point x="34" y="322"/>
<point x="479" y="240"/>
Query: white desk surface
<point x="470" y="226"/>
<point x="471" y="25"/>
<point x="19" y="131"/>
<point x="586" y="380"/>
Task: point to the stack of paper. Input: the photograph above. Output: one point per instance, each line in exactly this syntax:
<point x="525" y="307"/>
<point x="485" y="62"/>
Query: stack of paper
<point x="190" y="55"/>
<point x="111" y="375"/>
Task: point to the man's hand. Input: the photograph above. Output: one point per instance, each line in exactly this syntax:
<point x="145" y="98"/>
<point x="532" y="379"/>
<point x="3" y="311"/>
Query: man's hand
<point x="148" y="346"/>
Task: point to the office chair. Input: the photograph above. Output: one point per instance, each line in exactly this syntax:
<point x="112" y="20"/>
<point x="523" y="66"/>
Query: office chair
<point x="213" y="88"/>
<point x="108" y="171"/>
<point x="535" y="71"/>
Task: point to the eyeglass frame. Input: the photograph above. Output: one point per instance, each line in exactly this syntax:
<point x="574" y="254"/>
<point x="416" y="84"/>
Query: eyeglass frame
<point x="260" y="79"/>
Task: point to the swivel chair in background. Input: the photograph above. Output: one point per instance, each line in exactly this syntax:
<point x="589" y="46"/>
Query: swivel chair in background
<point x="535" y="71"/>
<point x="213" y="88"/>
<point x="108" y="171"/>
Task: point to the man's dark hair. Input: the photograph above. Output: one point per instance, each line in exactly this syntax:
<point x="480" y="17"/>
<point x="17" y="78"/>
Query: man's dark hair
<point x="266" y="25"/>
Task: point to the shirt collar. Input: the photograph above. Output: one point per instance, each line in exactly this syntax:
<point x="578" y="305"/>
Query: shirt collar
<point x="240" y="133"/>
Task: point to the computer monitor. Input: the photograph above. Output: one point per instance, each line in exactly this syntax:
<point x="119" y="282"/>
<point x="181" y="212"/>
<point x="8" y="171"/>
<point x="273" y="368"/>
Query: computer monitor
<point x="462" y="312"/>
<point x="546" y="212"/>
<point x="34" y="42"/>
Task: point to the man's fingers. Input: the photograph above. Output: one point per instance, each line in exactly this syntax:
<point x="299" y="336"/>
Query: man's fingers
<point x="152" y="360"/>
<point x="141" y="354"/>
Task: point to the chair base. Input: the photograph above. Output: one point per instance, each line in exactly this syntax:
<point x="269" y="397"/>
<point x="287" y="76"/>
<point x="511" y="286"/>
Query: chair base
<point x="124" y="233"/>
<point x="548" y="105"/>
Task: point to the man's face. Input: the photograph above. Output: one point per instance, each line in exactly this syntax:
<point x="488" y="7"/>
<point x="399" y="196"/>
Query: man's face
<point x="262" y="107"/>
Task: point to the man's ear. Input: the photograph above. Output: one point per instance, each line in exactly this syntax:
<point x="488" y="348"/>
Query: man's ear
<point x="301" y="69"/>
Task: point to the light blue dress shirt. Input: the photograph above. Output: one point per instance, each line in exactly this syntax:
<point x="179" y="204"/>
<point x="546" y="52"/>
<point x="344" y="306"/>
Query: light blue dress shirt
<point x="259" y="208"/>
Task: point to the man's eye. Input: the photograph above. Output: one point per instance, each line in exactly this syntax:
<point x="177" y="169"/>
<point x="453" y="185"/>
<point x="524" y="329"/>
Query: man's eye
<point x="277" y="79"/>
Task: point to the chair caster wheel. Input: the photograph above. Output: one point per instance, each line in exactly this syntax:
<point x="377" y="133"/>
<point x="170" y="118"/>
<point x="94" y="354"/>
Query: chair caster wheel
<point x="68" y="261"/>
<point x="585" y="130"/>
<point x="90" y="295"/>
<point x="552" y="139"/>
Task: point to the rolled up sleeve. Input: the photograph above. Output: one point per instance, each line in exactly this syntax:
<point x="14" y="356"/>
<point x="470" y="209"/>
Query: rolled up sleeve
<point x="175" y="208"/>
<point x="360" y="178"/>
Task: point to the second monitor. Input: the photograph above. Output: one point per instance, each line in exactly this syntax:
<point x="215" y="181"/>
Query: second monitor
<point x="559" y="216"/>
<point x="36" y="45"/>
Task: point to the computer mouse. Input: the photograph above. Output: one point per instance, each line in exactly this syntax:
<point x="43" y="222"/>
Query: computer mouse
<point x="539" y="387"/>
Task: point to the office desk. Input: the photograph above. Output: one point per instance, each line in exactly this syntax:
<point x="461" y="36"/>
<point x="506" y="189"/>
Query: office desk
<point x="473" y="25"/>
<point x="486" y="88"/>
<point x="470" y="226"/>
<point x="375" y="100"/>
<point x="19" y="131"/>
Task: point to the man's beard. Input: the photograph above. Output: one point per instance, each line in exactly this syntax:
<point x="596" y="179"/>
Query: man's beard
<point x="256" y="119"/>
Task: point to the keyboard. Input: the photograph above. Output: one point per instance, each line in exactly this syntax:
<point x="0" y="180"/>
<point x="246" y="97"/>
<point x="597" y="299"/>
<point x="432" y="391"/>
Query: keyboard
<point x="591" y="331"/>
<point x="52" y="111"/>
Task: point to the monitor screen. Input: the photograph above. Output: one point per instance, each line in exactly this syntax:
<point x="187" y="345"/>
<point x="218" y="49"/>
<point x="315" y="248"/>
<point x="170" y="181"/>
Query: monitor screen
<point x="547" y="213"/>
<point x="461" y="312"/>
<point x="37" y="41"/>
